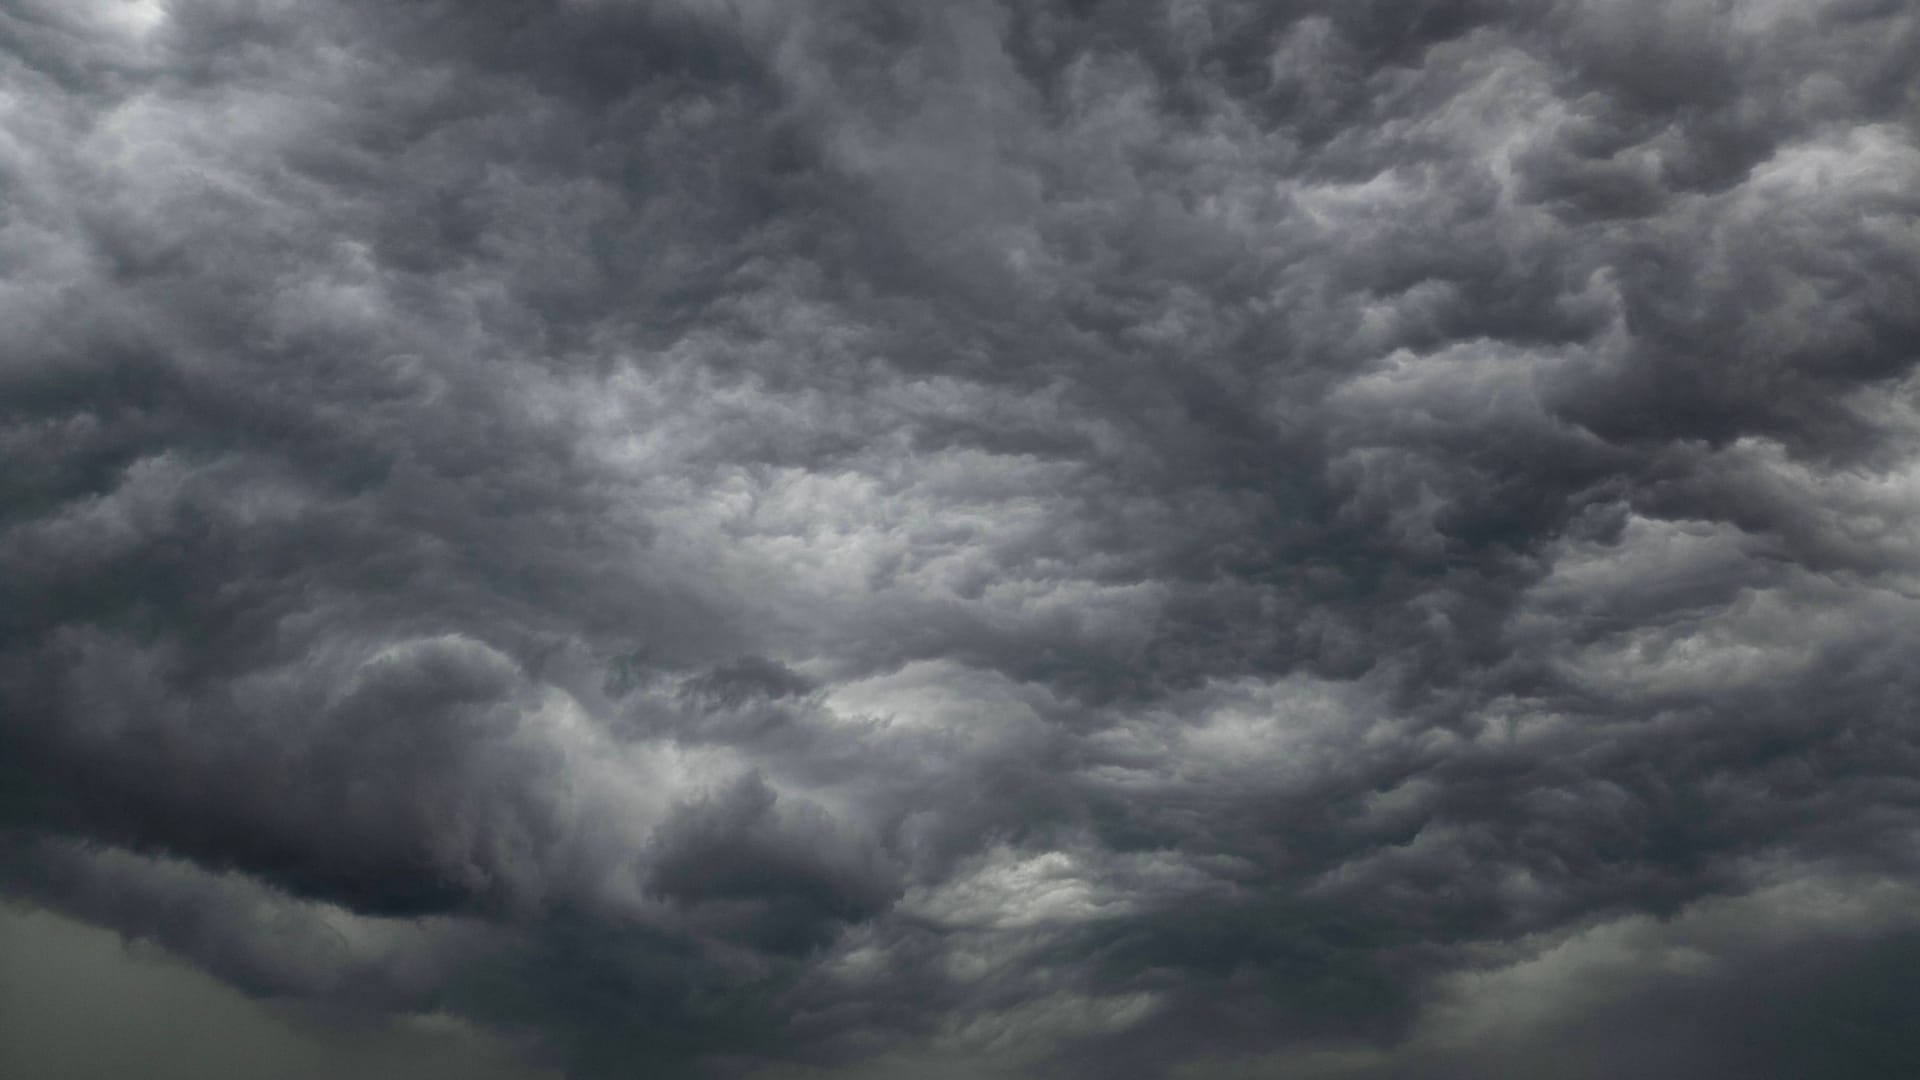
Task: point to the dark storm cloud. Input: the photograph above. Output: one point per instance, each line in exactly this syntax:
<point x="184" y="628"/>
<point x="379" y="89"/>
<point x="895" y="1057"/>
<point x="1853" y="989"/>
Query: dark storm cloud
<point x="1053" y="539"/>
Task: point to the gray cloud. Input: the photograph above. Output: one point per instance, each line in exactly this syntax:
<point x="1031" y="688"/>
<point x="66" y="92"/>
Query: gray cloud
<point x="718" y="537"/>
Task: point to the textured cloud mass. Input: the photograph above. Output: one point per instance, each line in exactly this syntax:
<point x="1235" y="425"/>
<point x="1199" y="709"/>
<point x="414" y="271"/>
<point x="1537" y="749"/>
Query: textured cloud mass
<point x="1171" y="539"/>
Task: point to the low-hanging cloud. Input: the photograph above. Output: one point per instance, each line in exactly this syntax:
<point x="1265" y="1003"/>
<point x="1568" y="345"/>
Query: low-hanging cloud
<point x="1130" y="539"/>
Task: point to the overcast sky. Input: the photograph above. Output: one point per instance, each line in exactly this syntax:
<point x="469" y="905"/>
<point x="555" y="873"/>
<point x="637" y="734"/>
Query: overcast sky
<point x="1174" y="540"/>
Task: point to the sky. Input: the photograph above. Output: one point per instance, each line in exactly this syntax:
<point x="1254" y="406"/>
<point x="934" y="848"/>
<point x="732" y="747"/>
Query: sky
<point x="1174" y="540"/>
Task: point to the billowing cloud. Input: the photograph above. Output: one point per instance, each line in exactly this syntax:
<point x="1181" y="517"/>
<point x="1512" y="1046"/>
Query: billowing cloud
<point x="733" y="538"/>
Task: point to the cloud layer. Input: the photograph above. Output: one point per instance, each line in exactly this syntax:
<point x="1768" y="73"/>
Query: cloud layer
<point x="736" y="538"/>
